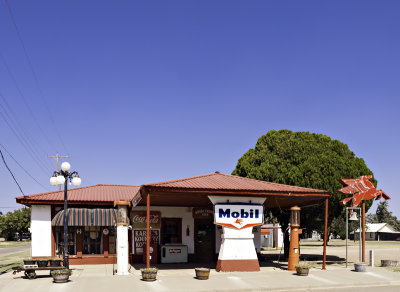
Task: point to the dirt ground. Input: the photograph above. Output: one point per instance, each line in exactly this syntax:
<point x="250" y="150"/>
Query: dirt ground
<point x="312" y="251"/>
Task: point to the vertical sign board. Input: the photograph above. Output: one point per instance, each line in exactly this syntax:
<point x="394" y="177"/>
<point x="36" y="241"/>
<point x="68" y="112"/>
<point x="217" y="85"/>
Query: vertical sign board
<point x="238" y="215"/>
<point x="139" y="222"/>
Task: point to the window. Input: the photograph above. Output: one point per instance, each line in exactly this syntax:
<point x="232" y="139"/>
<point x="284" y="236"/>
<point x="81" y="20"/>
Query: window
<point x="92" y="240"/>
<point x="171" y="230"/>
<point x="60" y="240"/>
<point x="112" y="240"/>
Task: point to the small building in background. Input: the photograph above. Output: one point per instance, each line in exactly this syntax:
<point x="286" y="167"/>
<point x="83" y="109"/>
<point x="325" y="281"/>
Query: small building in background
<point x="271" y="236"/>
<point x="377" y="231"/>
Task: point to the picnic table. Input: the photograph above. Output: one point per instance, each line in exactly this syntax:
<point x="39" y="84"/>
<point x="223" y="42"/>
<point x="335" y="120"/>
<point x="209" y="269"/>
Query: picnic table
<point x="30" y="272"/>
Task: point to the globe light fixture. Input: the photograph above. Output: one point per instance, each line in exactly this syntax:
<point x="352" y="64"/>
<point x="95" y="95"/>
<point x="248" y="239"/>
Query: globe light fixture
<point x="53" y="181"/>
<point x="65" y="166"/>
<point x="76" y="181"/>
<point x="59" y="178"/>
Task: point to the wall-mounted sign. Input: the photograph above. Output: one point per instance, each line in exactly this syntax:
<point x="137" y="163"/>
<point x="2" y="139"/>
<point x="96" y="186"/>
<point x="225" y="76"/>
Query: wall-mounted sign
<point x="140" y="238"/>
<point x="138" y="219"/>
<point x="238" y="215"/>
<point x="203" y="213"/>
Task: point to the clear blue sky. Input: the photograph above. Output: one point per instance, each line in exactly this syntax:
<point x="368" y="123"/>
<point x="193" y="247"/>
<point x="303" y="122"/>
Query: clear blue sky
<point x="145" y="91"/>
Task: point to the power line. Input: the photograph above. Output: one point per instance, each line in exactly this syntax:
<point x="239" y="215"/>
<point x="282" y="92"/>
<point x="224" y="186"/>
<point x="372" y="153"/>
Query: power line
<point x="21" y="131"/>
<point x="34" y="73"/>
<point x="25" y="102"/>
<point x="24" y="168"/>
<point x="5" y="163"/>
<point x="21" y="139"/>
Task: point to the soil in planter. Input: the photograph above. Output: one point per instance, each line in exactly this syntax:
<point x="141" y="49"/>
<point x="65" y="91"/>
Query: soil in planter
<point x="29" y="262"/>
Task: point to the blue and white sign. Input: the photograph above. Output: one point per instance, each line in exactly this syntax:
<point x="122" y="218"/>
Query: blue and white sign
<point x="238" y="215"/>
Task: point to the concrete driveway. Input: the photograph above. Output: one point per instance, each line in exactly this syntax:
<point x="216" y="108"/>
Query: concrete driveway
<point x="100" y="278"/>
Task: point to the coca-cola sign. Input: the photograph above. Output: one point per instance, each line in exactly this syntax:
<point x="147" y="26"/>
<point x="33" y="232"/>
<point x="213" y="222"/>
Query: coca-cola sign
<point x="139" y="219"/>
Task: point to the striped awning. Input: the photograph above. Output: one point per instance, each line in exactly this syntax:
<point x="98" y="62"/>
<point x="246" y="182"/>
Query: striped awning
<point x="86" y="217"/>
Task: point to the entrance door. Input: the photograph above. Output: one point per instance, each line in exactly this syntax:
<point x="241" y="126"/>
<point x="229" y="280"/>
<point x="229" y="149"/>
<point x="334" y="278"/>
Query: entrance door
<point x="204" y="240"/>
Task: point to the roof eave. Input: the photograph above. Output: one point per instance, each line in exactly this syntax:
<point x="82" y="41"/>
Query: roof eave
<point x="234" y="192"/>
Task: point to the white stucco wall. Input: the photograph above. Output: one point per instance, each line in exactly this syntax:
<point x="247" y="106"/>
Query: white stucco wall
<point x="41" y="230"/>
<point x="177" y="212"/>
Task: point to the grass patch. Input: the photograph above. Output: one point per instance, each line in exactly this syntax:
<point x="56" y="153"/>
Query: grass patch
<point x="5" y="244"/>
<point x="7" y="262"/>
<point x="397" y="269"/>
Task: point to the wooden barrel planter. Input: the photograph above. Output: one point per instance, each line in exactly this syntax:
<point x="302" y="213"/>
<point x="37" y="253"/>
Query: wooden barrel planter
<point x="388" y="263"/>
<point x="360" y="267"/>
<point x="149" y="274"/>
<point x="302" y="271"/>
<point x="202" y="273"/>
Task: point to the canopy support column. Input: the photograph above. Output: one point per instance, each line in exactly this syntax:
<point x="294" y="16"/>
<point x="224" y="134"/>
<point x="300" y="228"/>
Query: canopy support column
<point x="363" y="231"/>
<point x="148" y="231"/>
<point x="325" y="234"/>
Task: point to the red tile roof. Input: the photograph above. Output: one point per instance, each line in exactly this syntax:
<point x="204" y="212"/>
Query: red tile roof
<point x="100" y="194"/>
<point x="226" y="182"/>
<point x="214" y="182"/>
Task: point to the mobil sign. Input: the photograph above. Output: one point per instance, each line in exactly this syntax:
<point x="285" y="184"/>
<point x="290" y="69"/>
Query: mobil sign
<point x="238" y="215"/>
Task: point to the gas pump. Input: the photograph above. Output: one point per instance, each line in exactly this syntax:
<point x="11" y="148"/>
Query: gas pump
<point x="294" y="249"/>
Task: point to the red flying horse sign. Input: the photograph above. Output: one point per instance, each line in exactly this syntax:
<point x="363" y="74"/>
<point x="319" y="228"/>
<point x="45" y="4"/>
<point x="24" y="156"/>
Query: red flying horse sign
<point x="361" y="189"/>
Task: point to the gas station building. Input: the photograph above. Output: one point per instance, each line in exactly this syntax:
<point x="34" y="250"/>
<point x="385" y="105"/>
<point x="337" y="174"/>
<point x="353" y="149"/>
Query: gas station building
<point x="208" y="218"/>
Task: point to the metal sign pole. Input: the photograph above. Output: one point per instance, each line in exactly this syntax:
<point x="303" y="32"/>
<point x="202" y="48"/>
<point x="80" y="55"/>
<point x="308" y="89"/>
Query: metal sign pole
<point x="347" y="231"/>
<point x="360" y="236"/>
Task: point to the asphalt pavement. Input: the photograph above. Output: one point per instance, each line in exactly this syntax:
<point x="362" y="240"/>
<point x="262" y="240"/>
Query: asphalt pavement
<point x="10" y="250"/>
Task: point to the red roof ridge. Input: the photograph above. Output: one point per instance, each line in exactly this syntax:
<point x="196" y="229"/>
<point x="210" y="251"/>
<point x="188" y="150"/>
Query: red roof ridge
<point x="236" y="176"/>
<point x="181" y="179"/>
<point x="273" y="183"/>
<point x="74" y="189"/>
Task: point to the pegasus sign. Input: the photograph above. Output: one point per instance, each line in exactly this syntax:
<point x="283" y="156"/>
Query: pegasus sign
<point x="238" y="216"/>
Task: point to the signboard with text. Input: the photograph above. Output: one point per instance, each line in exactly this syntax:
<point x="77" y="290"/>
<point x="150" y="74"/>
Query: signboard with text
<point x="238" y="215"/>
<point x="140" y="237"/>
<point x="203" y="213"/>
<point x="138" y="219"/>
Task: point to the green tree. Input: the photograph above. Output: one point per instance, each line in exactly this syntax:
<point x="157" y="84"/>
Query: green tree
<point x="383" y="215"/>
<point x="16" y="222"/>
<point x="307" y="160"/>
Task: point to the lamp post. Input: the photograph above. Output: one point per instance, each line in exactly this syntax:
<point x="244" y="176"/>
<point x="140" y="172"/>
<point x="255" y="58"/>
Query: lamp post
<point x="353" y="217"/>
<point x="59" y="178"/>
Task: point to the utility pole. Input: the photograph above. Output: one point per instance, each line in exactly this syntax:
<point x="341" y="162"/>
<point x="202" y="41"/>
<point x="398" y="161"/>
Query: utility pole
<point x="57" y="158"/>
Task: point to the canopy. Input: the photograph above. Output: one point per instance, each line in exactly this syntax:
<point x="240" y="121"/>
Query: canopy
<point x="86" y="217"/>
